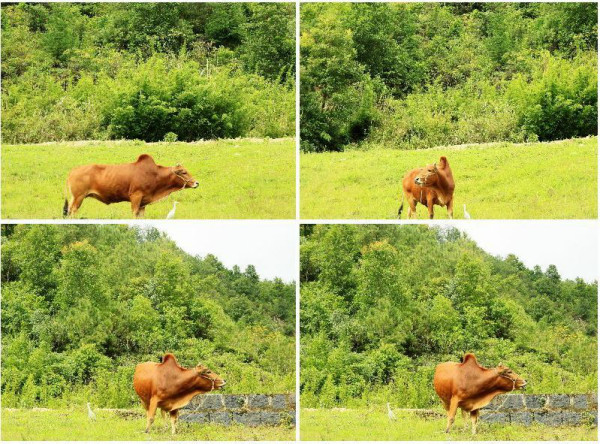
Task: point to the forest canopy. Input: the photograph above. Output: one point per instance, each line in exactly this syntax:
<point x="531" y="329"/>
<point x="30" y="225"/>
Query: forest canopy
<point x="149" y="71"/>
<point x="83" y="304"/>
<point x="418" y="75"/>
<point x="382" y="305"/>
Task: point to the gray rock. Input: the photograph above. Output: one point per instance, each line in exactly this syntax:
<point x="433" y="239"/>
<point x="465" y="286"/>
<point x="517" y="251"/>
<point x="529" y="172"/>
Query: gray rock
<point x="549" y="418"/>
<point x="212" y="402"/>
<point x="513" y="402"/>
<point x="270" y="418"/>
<point x="495" y="404"/>
<point x="279" y="402"/>
<point x="559" y="401"/>
<point x="495" y="418"/>
<point x="571" y="418"/>
<point x="258" y="401"/>
<point x="521" y="418"/>
<point x="252" y="419"/>
<point x="220" y="418"/>
<point x="234" y="401"/>
<point x="200" y="418"/>
<point x="580" y="402"/>
<point x="535" y="401"/>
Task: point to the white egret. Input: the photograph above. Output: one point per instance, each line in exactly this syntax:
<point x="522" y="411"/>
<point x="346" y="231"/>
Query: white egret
<point x="467" y="215"/>
<point x="171" y="214"/>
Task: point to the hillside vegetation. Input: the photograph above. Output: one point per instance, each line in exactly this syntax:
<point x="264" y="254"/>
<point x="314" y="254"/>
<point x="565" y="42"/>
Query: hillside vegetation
<point x="149" y="71"/>
<point x="382" y="305"/>
<point x="83" y="304"/>
<point x="418" y="75"/>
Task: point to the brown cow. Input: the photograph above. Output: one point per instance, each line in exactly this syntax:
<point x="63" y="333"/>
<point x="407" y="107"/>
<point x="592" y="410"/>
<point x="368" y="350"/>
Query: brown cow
<point x="169" y="387"/>
<point x="430" y="185"/>
<point x="469" y="386"/>
<point x="141" y="183"/>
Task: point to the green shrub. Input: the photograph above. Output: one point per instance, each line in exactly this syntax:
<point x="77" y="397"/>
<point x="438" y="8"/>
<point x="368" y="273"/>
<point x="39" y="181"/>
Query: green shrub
<point x="559" y="99"/>
<point x="475" y="112"/>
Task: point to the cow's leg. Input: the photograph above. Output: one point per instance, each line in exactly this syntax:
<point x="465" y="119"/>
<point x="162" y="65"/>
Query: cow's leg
<point x="136" y="203"/>
<point x="163" y="413"/>
<point x="150" y="413"/>
<point x="450" y="208"/>
<point x="142" y="212"/>
<point x="174" y="415"/>
<point x="430" y="208"/>
<point x="451" y="412"/>
<point x="75" y="204"/>
<point x="412" y="207"/>
<point x="474" y="418"/>
<point x="465" y="418"/>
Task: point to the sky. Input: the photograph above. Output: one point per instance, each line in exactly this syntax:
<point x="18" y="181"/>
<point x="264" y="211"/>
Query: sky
<point x="271" y="246"/>
<point x="570" y="245"/>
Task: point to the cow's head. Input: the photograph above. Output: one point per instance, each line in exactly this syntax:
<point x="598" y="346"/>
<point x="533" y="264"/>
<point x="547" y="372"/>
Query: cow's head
<point x="187" y="181"/>
<point x="209" y="380"/>
<point x="428" y="175"/>
<point x="510" y="380"/>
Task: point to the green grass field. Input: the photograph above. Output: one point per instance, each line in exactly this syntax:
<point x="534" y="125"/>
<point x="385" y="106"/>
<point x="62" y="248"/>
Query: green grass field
<point x="553" y="180"/>
<point x="373" y="424"/>
<point x="239" y="179"/>
<point x="111" y="425"/>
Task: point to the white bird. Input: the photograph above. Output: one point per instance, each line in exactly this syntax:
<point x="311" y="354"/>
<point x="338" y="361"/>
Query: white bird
<point x="171" y="214"/>
<point x="91" y="414"/>
<point x="467" y="215"/>
<point x="391" y="414"/>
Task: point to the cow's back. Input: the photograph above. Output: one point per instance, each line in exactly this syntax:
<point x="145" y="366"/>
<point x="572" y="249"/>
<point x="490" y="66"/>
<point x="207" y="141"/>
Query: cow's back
<point x="108" y="183"/>
<point x="145" y="380"/>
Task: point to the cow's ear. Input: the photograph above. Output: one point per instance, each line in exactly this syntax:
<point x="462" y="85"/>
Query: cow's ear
<point x="443" y="162"/>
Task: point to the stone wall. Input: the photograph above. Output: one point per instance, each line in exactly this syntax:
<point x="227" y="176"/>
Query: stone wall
<point x="250" y="410"/>
<point x="552" y="410"/>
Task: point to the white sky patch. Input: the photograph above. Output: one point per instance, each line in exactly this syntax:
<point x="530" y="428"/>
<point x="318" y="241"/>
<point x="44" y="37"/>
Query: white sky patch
<point x="570" y="245"/>
<point x="268" y="245"/>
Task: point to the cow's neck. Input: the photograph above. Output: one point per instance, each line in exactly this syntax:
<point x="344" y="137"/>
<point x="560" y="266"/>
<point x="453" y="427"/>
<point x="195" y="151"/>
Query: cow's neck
<point x="445" y="180"/>
<point x="166" y="183"/>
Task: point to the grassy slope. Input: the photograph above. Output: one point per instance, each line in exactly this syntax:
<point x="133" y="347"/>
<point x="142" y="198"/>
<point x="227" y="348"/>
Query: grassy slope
<point x="68" y="425"/>
<point x="556" y="180"/>
<point x="373" y="424"/>
<point x="239" y="179"/>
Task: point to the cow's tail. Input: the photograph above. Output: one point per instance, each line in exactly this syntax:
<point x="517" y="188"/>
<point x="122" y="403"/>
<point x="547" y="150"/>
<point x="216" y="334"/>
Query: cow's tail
<point x="401" y="208"/>
<point x="66" y="205"/>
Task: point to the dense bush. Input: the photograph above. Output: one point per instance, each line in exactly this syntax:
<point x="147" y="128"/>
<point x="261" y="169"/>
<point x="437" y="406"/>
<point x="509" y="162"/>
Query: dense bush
<point x="417" y="75"/>
<point x="83" y="304"/>
<point x="381" y="306"/>
<point x="140" y="71"/>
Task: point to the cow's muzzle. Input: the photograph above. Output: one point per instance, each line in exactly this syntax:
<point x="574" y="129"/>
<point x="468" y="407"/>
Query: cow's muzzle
<point x="195" y="185"/>
<point x="221" y="385"/>
<point x="418" y="180"/>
